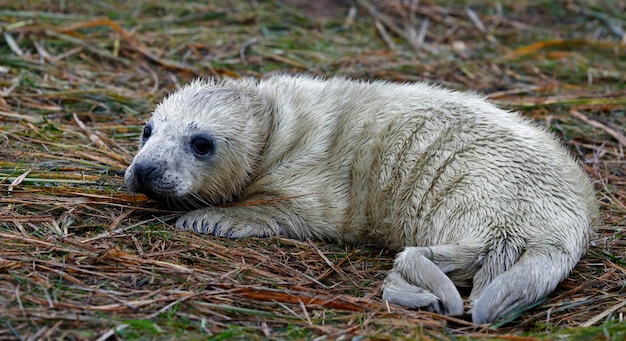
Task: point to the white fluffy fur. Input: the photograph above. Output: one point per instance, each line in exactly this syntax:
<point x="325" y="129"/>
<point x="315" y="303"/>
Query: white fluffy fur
<point x="470" y="194"/>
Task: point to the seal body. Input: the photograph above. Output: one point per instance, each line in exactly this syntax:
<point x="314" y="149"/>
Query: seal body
<point x="470" y="195"/>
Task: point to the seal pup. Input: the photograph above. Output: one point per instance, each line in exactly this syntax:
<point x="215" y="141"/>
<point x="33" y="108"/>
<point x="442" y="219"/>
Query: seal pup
<point x="467" y="193"/>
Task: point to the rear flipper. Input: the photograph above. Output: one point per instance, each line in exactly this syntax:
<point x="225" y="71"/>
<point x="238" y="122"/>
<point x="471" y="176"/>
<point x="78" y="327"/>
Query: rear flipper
<point x="398" y="291"/>
<point x="531" y="278"/>
<point x="418" y="279"/>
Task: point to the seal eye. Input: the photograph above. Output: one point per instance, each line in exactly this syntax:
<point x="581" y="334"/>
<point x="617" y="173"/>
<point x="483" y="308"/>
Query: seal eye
<point x="202" y="145"/>
<point x="147" y="131"/>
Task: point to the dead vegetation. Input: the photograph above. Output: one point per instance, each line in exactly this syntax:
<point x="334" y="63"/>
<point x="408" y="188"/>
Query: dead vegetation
<point x="82" y="259"/>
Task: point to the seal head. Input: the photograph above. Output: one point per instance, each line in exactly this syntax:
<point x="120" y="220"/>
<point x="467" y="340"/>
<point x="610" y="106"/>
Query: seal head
<point x="200" y="147"/>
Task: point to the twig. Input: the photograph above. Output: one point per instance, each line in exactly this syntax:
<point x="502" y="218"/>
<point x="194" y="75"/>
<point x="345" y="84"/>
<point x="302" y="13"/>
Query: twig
<point x="103" y="147"/>
<point x="614" y="24"/>
<point x="349" y="21"/>
<point x="421" y="34"/>
<point x="382" y="17"/>
<point x="135" y="44"/>
<point x="244" y="47"/>
<point x="383" y="34"/>
<point x="409" y="34"/>
<point x="118" y="231"/>
<point x="89" y="47"/>
<point x="43" y="15"/>
<point x="615" y="134"/>
<point x="18" y="180"/>
<point x="13" y="44"/>
<point x="112" y="332"/>
<point x="479" y="24"/>
<point x="603" y="314"/>
<point x="331" y="264"/>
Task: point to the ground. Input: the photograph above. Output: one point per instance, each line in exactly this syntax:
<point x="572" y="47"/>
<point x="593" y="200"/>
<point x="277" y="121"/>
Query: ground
<point x="82" y="259"/>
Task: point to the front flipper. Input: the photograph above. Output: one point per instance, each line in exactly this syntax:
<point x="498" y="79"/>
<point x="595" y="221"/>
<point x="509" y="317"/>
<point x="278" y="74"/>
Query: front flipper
<point x="231" y="222"/>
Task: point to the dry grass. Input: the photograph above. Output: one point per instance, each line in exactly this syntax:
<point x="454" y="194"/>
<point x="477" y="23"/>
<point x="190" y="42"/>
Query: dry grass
<point x="81" y="259"/>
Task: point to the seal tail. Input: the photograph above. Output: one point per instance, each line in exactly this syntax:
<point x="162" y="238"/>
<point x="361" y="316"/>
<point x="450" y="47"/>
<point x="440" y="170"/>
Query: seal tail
<point x="531" y="278"/>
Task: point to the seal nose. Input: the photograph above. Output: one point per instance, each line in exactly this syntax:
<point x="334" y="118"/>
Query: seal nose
<point x="144" y="172"/>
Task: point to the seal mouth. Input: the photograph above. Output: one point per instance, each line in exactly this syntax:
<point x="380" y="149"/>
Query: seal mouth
<point x="187" y="202"/>
<point x="157" y="191"/>
<point x="166" y="194"/>
<point x="149" y="193"/>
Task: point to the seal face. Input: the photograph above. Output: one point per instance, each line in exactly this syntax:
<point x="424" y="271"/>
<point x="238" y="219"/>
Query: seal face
<point x="470" y="195"/>
<point x="195" y="150"/>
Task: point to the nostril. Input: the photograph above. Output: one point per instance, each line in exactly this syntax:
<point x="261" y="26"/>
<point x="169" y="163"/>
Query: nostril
<point x="144" y="172"/>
